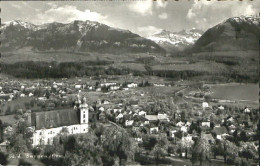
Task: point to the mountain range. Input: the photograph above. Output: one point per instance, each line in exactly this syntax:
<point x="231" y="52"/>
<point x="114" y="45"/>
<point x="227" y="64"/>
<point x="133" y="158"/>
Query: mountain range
<point x="237" y="33"/>
<point x="85" y="36"/>
<point x="234" y="34"/>
<point x="228" y="50"/>
<point x="176" y="41"/>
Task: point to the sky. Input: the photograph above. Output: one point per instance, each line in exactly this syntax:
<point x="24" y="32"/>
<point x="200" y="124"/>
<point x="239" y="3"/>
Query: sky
<point x="144" y="17"/>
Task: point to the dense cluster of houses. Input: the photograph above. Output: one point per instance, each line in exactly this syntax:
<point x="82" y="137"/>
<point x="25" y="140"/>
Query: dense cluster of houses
<point x="125" y="107"/>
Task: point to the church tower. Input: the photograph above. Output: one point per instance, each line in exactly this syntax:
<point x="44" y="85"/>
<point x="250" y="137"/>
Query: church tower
<point x="84" y="112"/>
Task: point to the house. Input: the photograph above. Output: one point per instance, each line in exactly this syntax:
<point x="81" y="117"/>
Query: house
<point x="106" y="102"/>
<point x="172" y="133"/>
<point x="154" y="130"/>
<point x="107" y="84"/>
<point x="205" y="124"/>
<point x="205" y="105"/>
<point x="208" y="137"/>
<point x="184" y="129"/>
<point x="102" y="109"/>
<point x="188" y="124"/>
<point x="142" y="113"/>
<point x="163" y="117"/>
<point x="232" y="128"/>
<point x="132" y="85"/>
<point x="3" y="145"/>
<point x="231" y="119"/>
<point x="220" y="132"/>
<point x="247" y="110"/>
<point x="158" y="84"/>
<point x="114" y="87"/>
<point x="221" y="107"/>
<point x="117" y="110"/>
<point x="139" y="139"/>
<point x="42" y="98"/>
<point x="151" y="118"/>
<point x="47" y="125"/>
<point x="102" y="117"/>
<point x="129" y="122"/>
<point x="119" y="116"/>
<point x="146" y="122"/>
<point x="188" y="138"/>
<point x="77" y="86"/>
<point x="179" y="124"/>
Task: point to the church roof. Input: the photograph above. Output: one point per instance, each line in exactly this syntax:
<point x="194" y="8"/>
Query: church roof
<point x="56" y="118"/>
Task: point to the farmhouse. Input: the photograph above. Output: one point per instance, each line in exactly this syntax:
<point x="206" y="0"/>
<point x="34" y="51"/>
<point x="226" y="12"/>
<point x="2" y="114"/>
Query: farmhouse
<point x="205" y="105"/>
<point x="220" y="132"/>
<point x="47" y="125"/>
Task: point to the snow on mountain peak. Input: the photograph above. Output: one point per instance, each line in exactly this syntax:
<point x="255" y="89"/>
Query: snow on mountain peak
<point x="23" y="24"/>
<point x="176" y="39"/>
<point x="252" y="19"/>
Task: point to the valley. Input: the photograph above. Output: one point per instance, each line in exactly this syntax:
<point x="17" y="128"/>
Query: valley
<point x="93" y="94"/>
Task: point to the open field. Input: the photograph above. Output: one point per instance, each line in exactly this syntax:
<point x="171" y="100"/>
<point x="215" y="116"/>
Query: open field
<point x="237" y="54"/>
<point x="16" y="103"/>
<point x="210" y="67"/>
<point x="58" y="57"/>
<point x="131" y="66"/>
<point x="237" y="66"/>
<point x="9" y="119"/>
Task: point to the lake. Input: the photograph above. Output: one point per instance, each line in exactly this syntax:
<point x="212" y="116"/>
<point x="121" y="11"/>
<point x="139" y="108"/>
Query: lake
<point x="235" y="91"/>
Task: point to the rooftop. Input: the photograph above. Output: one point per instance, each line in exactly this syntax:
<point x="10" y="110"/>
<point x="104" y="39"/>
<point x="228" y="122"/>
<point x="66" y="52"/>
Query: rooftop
<point x="53" y="119"/>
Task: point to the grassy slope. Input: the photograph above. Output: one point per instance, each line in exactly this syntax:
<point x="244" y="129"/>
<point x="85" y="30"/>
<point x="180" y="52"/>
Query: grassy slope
<point x="225" y="62"/>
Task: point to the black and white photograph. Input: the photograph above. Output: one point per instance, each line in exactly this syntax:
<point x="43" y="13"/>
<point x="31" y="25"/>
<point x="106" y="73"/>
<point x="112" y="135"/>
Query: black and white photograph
<point x="129" y="83"/>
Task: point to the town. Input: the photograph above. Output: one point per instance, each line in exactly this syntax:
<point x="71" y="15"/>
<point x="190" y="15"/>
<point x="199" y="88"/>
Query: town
<point x="124" y="120"/>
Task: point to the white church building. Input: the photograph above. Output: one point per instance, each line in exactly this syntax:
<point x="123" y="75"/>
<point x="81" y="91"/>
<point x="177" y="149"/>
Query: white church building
<point x="48" y="124"/>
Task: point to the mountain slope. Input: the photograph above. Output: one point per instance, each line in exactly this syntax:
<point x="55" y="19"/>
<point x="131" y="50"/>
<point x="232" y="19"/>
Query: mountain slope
<point x="173" y="41"/>
<point x="234" y="34"/>
<point x="76" y="36"/>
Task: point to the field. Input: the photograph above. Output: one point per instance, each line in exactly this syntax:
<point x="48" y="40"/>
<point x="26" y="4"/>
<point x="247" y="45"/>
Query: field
<point x="237" y="66"/>
<point x="17" y="103"/>
<point x="210" y="67"/>
<point x="247" y="92"/>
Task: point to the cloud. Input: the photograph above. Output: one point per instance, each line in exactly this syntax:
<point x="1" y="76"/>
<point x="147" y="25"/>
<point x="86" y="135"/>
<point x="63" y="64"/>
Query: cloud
<point x="16" y="6"/>
<point x="147" y="30"/>
<point x="142" y="7"/>
<point x="208" y="13"/>
<point x="161" y="3"/>
<point x="66" y="14"/>
<point x="163" y="16"/>
<point x="146" y="7"/>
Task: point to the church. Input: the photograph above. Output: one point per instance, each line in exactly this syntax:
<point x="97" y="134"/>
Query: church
<point x="46" y="125"/>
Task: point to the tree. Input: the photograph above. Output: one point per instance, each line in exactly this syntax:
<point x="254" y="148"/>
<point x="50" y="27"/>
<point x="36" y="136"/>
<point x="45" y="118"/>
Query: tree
<point x="149" y="141"/>
<point x="23" y="162"/>
<point x="36" y="151"/>
<point x="85" y="151"/>
<point x="8" y="111"/>
<point x="160" y="149"/>
<point x="48" y="150"/>
<point x="3" y="159"/>
<point x="186" y="145"/>
<point x="17" y="144"/>
<point x="117" y="144"/>
<point x="207" y="98"/>
<point x="201" y="150"/>
<point x="248" y="150"/>
<point x="228" y="149"/>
